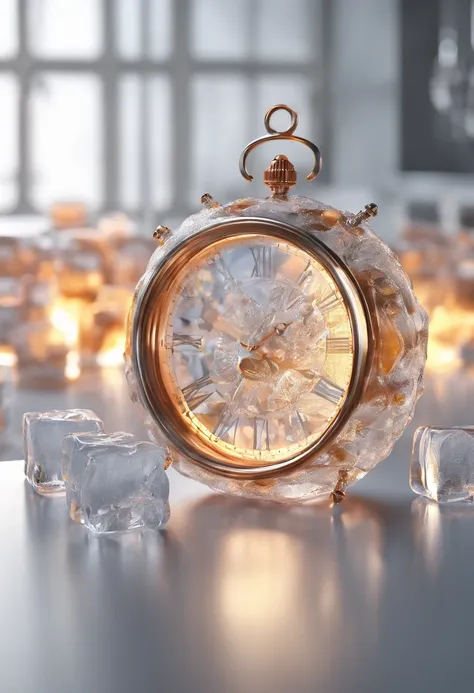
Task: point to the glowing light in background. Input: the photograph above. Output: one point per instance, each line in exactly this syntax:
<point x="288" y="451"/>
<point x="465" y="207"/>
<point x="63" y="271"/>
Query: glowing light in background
<point x="8" y="357"/>
<point x="111" y="353"/>
<point x="66" y="322"/>
<point x="451" y="328"/>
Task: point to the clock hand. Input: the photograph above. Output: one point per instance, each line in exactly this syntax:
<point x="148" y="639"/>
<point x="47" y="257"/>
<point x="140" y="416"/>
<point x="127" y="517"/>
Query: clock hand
<point x="278" y="329"/>
<point x="257" y="369"/>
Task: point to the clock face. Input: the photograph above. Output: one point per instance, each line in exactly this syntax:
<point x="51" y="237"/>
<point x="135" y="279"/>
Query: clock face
<point x="259" y="348"/>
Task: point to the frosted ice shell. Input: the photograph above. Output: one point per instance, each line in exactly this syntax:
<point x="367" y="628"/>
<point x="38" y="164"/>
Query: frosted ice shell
<point x="395" y="379"/>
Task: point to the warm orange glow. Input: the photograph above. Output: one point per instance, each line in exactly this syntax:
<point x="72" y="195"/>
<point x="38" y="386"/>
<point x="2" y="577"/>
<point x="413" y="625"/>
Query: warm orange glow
<point x="8" y="357"/>
<point x="64" y="317"/>
<point x="111" y="353"/>
<point x="251" y="561"/>
<point x="451" y="326"/>
<point x="72" y="369"/>
<point x="68" y="317"/>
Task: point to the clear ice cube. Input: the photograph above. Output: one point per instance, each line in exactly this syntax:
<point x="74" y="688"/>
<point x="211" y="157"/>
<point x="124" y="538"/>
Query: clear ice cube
<point x="42" y="354"/>
<point x="125" y="487"/>
<point x="442" y="464"/>
<point x="131" y="259"/>
<point x="76" y="449"/>
<point x="43" y="433"/>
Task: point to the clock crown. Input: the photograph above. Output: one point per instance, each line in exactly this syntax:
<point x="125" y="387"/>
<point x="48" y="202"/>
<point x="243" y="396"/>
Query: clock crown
<point x="280" y="176"/>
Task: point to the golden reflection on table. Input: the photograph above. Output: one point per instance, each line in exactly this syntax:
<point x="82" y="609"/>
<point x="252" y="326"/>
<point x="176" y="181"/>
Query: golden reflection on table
<point x="268" y="573"/>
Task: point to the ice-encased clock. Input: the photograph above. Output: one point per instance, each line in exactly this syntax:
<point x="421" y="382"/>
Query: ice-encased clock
<point x="275" y="344"/>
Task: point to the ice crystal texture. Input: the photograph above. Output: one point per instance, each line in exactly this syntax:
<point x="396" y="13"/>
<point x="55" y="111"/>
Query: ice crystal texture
<point x="124" y="486"/>
<point x="442" y="464"/>
<point x="43" y="434"/>
<point x="394" y="382"/>
<point x="76" y="450"/>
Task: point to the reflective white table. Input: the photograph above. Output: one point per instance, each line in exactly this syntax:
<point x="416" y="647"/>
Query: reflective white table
<point x="237" y="596"/>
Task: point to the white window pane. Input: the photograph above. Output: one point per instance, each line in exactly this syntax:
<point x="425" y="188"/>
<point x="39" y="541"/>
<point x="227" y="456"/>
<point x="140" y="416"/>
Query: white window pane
<point x="219" y="30"/>
<point x="159" y="141"/>
<point x="145" y="130"/>
<point x="9" y="130"/>
<point x="60" y="29"/>
<point x="8" y="28"/>
<point x="284" y="32"/>
<point x="67" y="139"/>
<point x="129" y="152"/>
<point x="159" y="29"/>
<point x="128" y="15"/>
<point x="134" y="38"/>
<point x="219" y="133"/>
<point x="293" y="90"/>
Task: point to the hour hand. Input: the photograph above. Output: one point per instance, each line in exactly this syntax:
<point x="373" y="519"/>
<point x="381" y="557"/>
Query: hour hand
<point x="257" y="369"/>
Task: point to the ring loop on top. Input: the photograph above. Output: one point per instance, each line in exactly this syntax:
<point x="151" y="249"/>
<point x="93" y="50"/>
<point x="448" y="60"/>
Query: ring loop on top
<point x="281" y="107"/>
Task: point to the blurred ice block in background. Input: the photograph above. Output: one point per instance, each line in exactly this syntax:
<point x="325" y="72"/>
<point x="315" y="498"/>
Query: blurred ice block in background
<point x="42" y="354"/>
<point x="132" y="256"/>
<point x="65" y="294"/>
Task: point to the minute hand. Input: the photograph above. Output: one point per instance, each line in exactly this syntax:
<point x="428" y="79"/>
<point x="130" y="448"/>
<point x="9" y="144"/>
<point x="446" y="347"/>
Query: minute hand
<point x="278" y="329"/>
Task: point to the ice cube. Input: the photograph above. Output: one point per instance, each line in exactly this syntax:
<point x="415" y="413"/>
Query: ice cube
<point x="43" y="433"/>
<point x="76" y="449"/>
<point x="442" y="463"/>
<point x="125" y="487"/>
<point x="10" y="320"/>
<point x="132" y="256"/>
<point x="42" y="354"/>
<point x="81" y="273"/>
<point x="66" y="215"/>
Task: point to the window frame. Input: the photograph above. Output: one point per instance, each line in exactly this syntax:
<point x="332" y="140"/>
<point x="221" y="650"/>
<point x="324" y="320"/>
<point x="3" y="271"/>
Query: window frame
<point x="180" y="68"/>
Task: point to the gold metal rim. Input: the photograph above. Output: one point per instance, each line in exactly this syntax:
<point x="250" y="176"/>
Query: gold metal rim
<point x="148" y="339"/>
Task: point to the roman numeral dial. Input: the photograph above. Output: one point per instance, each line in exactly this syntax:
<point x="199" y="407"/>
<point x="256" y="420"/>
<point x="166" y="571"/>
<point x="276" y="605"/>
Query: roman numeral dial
<point x="261" y="440"/>
<point x="262" y="261"/>
<point x="329" y="391"/>
<point x="260" y="345"/>
<point x="329" y="303"/>
<point x="339" y="345"/>
<point x="187" y="340"/>
<point x="227" y="426"/>
<point x="195" y="393"/>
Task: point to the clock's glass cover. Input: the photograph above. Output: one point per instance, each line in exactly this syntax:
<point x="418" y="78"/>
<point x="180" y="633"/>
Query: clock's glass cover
<point x="259" y="347"/>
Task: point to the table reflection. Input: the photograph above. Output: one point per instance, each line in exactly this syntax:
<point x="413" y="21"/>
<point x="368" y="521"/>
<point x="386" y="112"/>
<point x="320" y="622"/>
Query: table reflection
<point x="255" y="578"/>
<point x="438" y="529"/>
<point x="235" y="595"/>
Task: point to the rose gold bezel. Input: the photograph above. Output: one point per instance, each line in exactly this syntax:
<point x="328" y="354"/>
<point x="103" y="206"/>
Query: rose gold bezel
<point x="149" y="348"/>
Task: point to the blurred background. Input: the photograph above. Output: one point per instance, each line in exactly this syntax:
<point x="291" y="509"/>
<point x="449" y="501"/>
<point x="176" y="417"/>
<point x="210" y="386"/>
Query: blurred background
<point x="117" y="115"/>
